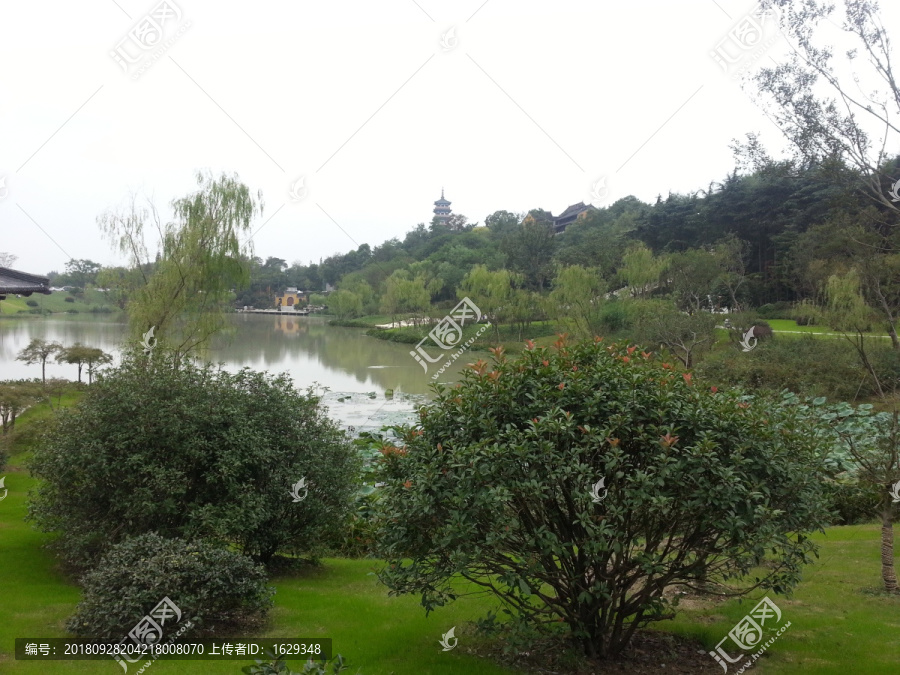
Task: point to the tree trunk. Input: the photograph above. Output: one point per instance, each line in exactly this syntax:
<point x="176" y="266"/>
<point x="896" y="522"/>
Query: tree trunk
<point x="887" y="547"/>
<point x="859" y="343"/>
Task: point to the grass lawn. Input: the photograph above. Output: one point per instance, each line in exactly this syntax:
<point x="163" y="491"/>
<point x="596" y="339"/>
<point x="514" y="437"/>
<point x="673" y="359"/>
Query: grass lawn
<point x="56" y="302"/>
<point x="790" y="326"/>
<point x="840" y="623"/>
<point x="341" y="600"/>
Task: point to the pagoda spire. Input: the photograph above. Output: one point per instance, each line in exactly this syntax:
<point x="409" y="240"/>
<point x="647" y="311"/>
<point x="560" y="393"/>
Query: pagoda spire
<point x="442" y="209"/>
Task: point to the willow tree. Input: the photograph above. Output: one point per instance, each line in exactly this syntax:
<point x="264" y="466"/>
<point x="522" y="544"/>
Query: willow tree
<point x="577" y="298"/>
<point x="182" y="293"/>
<point x="847" y="312"/>
<point x="641" y="269"/>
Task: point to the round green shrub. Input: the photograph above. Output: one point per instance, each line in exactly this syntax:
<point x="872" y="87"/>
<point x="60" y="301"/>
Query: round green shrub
<point x="192" y="452"/>
<point x="31" y="303"/>
<point x="585" y="480"/>
<point x="762" y="330"/>
<point x="69" y="298"/>
<point x="778" y="310"/>
<point x="214" y="588"/>
<point x="807" y="313"/>
<point x="852" y="502"/>
<point x="614" y="316"/>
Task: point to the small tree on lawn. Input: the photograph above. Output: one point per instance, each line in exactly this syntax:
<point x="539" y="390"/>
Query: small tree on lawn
<point x="76" y="354"/>
<point x="15" y="397"/>
<point x="94" y="358"/>
<point x="38" y="351"/>
<point x="192" y="452"/>
<point x="580" y="484"/>
<point x="685" y="335"/>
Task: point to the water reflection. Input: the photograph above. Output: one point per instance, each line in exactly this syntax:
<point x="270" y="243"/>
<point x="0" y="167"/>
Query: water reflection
<point x="345" y="360"/>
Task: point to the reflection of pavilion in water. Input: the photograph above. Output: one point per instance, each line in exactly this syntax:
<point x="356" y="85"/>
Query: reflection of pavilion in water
<point x="291" y="325"/>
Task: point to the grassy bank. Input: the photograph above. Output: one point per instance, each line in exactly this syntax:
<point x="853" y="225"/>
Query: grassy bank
<point x="55" y="303"/>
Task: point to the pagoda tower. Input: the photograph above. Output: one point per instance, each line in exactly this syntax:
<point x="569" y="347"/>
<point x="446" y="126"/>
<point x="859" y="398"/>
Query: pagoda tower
<point x="442" y="209"/>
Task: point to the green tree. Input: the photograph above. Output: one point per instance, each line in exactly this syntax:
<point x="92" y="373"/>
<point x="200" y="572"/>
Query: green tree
<point x="16" y="396"/>
<point x="866" y="448"/>
<point x="81" y="272"/>
<point x="601" y="237"/>
<point x="355" y="283"/>
<point x="693" y="274"/>
<point x="193" y="452"/>
<point x="685" y="335"/>
<point x="345" y="304"/>
<point x="848" y="313"/>
<point x="524" y="307"/>
<point x="404" y="293"/>
<point x="641" y="269"/>
<point x="200" y="260"/>
<point x="577" y="298"/>
<point x="120" y="283"/>
<point x="529" y="250"/>
<point x="500" y="222"/>
<point x="831" y="103"/>
<point x="731" y="255"/>
<point x="581" y="484"/>
<point x="38" y="351"/>
<point x="78" y="354"/>
<point x="491" y="292"/>
<point x="94" y="358"/>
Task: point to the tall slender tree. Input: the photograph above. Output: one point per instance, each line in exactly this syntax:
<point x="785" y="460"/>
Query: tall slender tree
<point x="200" y="258"/>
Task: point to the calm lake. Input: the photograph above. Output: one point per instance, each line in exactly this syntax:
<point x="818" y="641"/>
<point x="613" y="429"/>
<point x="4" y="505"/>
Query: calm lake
<point x="356" y="369"/>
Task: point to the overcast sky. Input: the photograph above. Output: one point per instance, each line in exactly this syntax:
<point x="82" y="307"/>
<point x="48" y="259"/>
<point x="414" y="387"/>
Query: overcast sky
<point x="364" y="109"/>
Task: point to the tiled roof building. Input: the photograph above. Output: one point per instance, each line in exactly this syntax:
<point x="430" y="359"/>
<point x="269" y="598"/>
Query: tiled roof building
<point x="19" y="283"/>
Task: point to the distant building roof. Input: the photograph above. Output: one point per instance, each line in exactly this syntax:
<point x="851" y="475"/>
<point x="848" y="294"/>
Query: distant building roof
<point x="20" y="283"/>
<point x="570" y="215"/>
